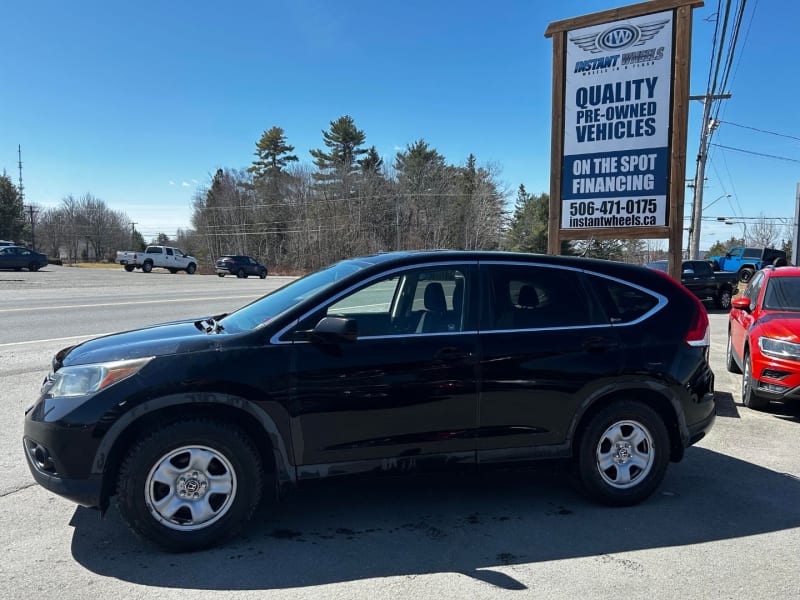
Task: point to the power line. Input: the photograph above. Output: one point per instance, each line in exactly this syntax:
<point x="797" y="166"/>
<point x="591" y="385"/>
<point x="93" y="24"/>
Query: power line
<point x="785" y="135"/>
<point x="786" y="158"/>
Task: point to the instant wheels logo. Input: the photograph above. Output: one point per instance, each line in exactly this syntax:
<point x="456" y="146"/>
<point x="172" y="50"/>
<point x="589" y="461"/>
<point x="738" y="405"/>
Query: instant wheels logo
<point x="618" y="37"/>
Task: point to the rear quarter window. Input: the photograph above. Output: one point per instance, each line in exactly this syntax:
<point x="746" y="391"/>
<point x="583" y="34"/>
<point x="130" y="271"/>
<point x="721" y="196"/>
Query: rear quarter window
<point x="623" y="303"/>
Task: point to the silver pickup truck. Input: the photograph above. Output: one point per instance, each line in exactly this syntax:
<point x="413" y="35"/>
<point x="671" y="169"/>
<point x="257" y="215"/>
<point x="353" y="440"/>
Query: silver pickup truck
<point x="164" y="257"/>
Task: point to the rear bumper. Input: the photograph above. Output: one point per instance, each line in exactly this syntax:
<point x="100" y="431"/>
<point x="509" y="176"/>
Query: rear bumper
<point x="697" y="431"/>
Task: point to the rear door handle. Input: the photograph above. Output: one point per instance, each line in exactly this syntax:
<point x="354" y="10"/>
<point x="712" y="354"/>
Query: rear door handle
<point x="599" y="344"/>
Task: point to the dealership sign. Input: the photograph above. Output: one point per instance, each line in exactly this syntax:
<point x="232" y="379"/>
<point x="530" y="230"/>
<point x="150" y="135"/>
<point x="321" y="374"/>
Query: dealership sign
<point x="617" y="113"/>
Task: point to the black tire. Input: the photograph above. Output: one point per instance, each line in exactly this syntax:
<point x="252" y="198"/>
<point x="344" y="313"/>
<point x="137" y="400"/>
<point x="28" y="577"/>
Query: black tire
<point x="730" y="362"/>
<point x="129" y="268"/>
<point x="263" y="274"/>
<point x="745" y="274"/>
<point x="33" y="267"/>
<point x="723" y="298"/>
<point x="749" y="398"/>
<point x="191" y="268"/>
<point x="779" y="262"/>
<point x="608" y="436"/>
<point x="199" y="454"/>
<point x="220" y="274"/>
<point x="173" y="271"/>
<point x="241" y="274"/>
<point x="147" y="266"/>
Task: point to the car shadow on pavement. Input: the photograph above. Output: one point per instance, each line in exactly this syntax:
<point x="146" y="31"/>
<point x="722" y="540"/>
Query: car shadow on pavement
<point x="726" y="406"/>
<point x="788" y="411"/>
<point x="347" y="531"/>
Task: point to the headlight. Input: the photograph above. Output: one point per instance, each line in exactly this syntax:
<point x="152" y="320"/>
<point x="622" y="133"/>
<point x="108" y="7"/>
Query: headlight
<point x="779" y="348"/>
<point x="81" y="380"/>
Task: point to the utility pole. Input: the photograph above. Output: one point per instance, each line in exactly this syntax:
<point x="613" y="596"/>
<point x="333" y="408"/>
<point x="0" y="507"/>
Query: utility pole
<point x="133" y="231"/>
<point x="32" y="212"/>
<point x="796" y="228"/>
<point x="21" y="189"/>
<point x="697" y="207"/>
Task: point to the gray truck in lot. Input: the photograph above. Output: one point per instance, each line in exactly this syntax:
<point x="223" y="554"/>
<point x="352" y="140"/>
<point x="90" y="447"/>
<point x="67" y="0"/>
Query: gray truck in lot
<point x="164" y="257"/>
<point x="705" y="283"/>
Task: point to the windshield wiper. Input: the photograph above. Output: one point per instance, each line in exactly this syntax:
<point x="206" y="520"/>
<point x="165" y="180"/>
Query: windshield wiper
<point x="211" y="324"/>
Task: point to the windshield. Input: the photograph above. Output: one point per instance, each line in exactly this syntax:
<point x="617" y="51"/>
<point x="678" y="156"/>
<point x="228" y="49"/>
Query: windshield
<point x="267" y="308"/>
<point x="783" y="293"/>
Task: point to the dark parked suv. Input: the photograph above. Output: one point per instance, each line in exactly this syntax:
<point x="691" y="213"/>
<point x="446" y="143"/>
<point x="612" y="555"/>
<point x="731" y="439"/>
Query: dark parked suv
<point x="393" y="362"/>
<point x="241" y="266"/>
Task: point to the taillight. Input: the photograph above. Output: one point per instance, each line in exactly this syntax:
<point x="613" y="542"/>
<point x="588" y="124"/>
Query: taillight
<point x="699" y="333"/>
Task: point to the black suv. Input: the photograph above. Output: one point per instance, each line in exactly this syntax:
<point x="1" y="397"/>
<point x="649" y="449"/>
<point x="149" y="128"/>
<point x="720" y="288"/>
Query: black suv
<point x="241" y="266"/>
<point x="391" y="363"/>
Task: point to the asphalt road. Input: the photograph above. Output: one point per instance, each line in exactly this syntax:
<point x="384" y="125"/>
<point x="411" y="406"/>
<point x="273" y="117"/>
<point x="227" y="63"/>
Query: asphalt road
<point x="725" y="523"/>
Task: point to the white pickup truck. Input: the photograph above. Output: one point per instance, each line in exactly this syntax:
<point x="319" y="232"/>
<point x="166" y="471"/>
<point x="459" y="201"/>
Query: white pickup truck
<point x="164" y="257"/>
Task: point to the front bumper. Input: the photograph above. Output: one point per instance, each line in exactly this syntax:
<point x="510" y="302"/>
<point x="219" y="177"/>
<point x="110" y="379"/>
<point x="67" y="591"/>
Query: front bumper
<point x="86" y="492"/>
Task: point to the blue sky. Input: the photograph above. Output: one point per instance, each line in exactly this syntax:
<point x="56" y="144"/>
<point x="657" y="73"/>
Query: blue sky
<point x="139" y="103"/>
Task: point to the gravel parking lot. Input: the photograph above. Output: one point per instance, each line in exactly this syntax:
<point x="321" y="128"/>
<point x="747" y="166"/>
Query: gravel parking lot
<point x="725" y="523"/>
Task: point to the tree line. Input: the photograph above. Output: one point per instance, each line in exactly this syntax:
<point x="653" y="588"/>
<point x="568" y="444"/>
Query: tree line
<point x="298" y="216"/>
<point x="347" y="202"/>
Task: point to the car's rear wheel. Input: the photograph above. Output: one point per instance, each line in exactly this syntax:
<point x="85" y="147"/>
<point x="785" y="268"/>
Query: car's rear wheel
<point x="730" y="362"/>
<point x="623" y="453"/>
<point x="190" y="484"/>
<point x="173" y="271"/>
<point x="745" y="274"/>
<point x="147" y="266"/>
<point x="241" y="274"/>
<point x="749" y="397"/>
<point x="129" y="268"/>
<point x="221" y="274"/>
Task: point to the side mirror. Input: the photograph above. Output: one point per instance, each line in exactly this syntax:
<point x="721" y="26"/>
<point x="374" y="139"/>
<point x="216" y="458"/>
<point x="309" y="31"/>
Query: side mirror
<point x="334" y="330"/>
<point x="741" y="304"/>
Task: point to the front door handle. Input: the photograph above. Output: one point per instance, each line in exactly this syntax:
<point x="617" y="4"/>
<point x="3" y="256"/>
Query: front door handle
<point x="451" y="354"/>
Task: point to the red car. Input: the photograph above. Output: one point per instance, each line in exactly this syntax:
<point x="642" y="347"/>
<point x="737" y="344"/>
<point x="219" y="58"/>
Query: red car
<point x="764" y="337"/>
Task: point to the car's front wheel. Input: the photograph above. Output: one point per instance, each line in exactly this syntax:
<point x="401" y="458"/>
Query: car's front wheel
<point x="723" y="299"/>
<point x="730" y="362"/>
<point x="191" y="268"/>
<point x="190" y="484"/>
<point x="749" y="397"/>
<point x="263" y="274"/>
<point x="623" y="453"/>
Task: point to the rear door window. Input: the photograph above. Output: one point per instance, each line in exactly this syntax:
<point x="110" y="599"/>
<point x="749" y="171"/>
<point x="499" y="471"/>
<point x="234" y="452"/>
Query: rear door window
<point x="536" y="297"/>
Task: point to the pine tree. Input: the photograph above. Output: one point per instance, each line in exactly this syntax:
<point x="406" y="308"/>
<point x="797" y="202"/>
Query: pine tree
<point x="12" y="212"/>
<point x="273" y="154"/>
<point x="344" y="141"/>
